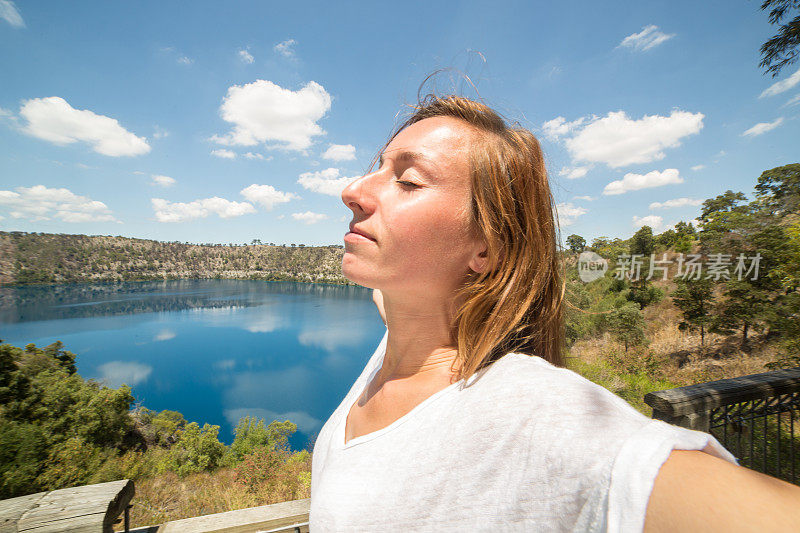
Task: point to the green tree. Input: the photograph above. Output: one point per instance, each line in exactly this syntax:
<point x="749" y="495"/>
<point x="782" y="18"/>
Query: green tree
<point x="252" y="433"/>
<point x="695" y="298"/>
<point x="781" y="49"/>
<point x="576" y="243"/>
<point x="626" y="325"/>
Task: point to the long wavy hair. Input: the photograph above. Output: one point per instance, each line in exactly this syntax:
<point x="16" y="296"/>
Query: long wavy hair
<point x="515" y="304"/>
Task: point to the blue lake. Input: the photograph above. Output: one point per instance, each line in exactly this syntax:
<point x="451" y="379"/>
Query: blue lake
<point x="215" y="350"/>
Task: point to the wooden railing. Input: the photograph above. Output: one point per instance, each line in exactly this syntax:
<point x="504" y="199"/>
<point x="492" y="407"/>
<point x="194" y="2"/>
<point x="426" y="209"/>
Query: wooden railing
<point x="752" y="416"/>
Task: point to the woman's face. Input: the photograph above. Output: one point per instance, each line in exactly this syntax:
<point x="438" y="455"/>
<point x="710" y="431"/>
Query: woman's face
<point x="415" y="212"/>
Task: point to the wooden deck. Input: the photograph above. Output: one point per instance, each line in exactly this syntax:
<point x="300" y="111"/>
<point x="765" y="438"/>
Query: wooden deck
<point x="86" y="509"/>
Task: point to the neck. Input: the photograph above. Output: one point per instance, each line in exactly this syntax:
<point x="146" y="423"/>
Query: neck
<point x="418" y="346"/>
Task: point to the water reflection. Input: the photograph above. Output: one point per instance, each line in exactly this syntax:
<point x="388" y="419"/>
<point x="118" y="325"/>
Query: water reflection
<point x="214" y="350"/>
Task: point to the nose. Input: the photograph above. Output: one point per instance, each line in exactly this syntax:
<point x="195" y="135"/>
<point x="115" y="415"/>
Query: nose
<point x="359" y="195"/>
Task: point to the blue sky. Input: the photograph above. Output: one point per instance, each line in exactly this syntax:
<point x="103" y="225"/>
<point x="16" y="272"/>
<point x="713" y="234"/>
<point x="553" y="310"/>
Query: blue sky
<point x="227" y="122"/>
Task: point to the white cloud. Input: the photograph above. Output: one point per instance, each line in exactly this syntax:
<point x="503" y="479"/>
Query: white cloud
<point x="763" y="127"/>
<point x="574" y="172"/>
<point x="115" y="373"/>
<point x="325" y="181"/>
<point x="308" y="217"/>
<point x="54" y="120"/>
<point x="285" y="48"/>
<point x="568" y="213"/>
<point x="698" y="167"/>
<point x="648" y="38"/>
<point x="9" y="13"/>
<point x="164" y="335"/>
<point x="163" y="181"/>
<point x="262" y="111"/>
<point x="618" y="141"/>
<point x="225" y="364"/>
<point x="586" y="197"/>
<point x="42" y="203"/>
<point x="782" y="86"/>
<point x="792" y="101"/>
<point x="246" y="56"/>
<point x="224" y="154"/>
<point x="160" y="133"/>
<point x="654" y="221"/>
<point x="180" y="212"/>
<point x="634" y="182"/>
<point x="251" y="155"/>
<point x="267" y="196"/>
<point x="677" y="202"/>
<point x="340" y="152"/>
<point x="185" y="60"/>
<point x="558" y="127"/>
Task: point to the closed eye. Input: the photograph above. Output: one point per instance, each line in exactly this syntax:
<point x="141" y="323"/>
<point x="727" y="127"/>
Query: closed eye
<point x="407" y="183"/>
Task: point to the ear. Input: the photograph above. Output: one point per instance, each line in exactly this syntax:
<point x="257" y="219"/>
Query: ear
<point x="480" y="259"/>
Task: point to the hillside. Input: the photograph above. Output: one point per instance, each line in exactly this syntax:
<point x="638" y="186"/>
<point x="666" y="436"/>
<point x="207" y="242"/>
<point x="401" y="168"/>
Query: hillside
<point x="60" y="258"/>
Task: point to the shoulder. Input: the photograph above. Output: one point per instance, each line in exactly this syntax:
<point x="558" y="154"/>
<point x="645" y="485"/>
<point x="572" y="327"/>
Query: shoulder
<point x="532" y="382"/>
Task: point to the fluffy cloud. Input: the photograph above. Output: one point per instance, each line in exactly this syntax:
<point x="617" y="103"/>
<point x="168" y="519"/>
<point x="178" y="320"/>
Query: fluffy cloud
<point x="340" y="152"/>
<point x="251" y="155"/>
<point x="164" y="335"/>
<point x="698" y="167"/>
<point x="573" y="173"/>
<point x="585" y="197"/>
<point x="677" y="202"/>
<point x="568" y="213"/>
<point x="285" y="48"/>
<point x="262" y="111"/>
<point x="163" y="181"/>
<point x="558" y="127"/>
<point x="267" y="196"/>
<point x="54" y="120"/>
<point x="762" y="127"/>
<point x="180" y="212"/>
<point x="308" y="217"/>
<point x="782" y="86"/>
<point x="618" y="141"/>
<point x="42" y="203"/>
<point x="246" y="57"/>
<point x="115" y="373"/>
<point x="9" y="13"/>
<point x="648" y="38"/>
<point x="223" y="153"/>
<point x="654" y="221"/>
<point x="634" y="182"/>
<point x="324" y="181"/>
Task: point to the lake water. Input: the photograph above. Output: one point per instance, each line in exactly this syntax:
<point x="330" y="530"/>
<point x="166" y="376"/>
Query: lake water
<point x="215" y="350"/>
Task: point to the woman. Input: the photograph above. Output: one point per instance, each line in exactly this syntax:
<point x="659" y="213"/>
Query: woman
<point x="464" y="419"/>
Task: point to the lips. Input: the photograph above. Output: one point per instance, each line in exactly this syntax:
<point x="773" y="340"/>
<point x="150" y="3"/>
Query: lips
<point x="361" y="232"/>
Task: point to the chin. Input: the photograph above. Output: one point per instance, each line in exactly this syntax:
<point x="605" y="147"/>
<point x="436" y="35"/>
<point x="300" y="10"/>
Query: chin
<point x="357" y="275"/>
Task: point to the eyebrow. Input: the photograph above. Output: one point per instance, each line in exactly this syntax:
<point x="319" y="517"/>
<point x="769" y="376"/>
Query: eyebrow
<point x="412" y="157"/>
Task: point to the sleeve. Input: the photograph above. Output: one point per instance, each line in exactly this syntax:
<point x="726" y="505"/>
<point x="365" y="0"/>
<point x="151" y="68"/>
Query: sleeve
<point x="637" y="464"/>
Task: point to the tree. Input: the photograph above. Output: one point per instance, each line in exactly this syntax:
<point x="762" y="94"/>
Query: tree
<point x="576" y="243"/>
<point x="626" y="324"/>
<point x="695" y="298"/>
<point x="781" y="49"/>
<point x="642" y="241"/>
<point x="779" y="189"/>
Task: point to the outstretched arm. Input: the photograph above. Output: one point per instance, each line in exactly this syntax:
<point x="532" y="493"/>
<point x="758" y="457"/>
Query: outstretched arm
<point x="695" y="491"/>
<point x="377" y="297"/>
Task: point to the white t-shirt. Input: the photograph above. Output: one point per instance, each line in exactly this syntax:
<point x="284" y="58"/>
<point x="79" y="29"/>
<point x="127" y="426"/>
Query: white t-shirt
<point x="524" y="446"/>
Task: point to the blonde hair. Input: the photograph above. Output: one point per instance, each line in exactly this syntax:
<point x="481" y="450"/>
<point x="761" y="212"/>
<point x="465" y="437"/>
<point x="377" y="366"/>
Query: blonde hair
<point x="515" y="304"/>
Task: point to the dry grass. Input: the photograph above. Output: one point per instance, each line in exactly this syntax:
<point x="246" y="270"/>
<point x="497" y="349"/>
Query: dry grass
<point x="168" y="497"/>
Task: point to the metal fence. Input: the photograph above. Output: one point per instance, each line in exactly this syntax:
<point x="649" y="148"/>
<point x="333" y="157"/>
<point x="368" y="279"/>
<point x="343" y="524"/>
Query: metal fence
<point x="752" y="416"/>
